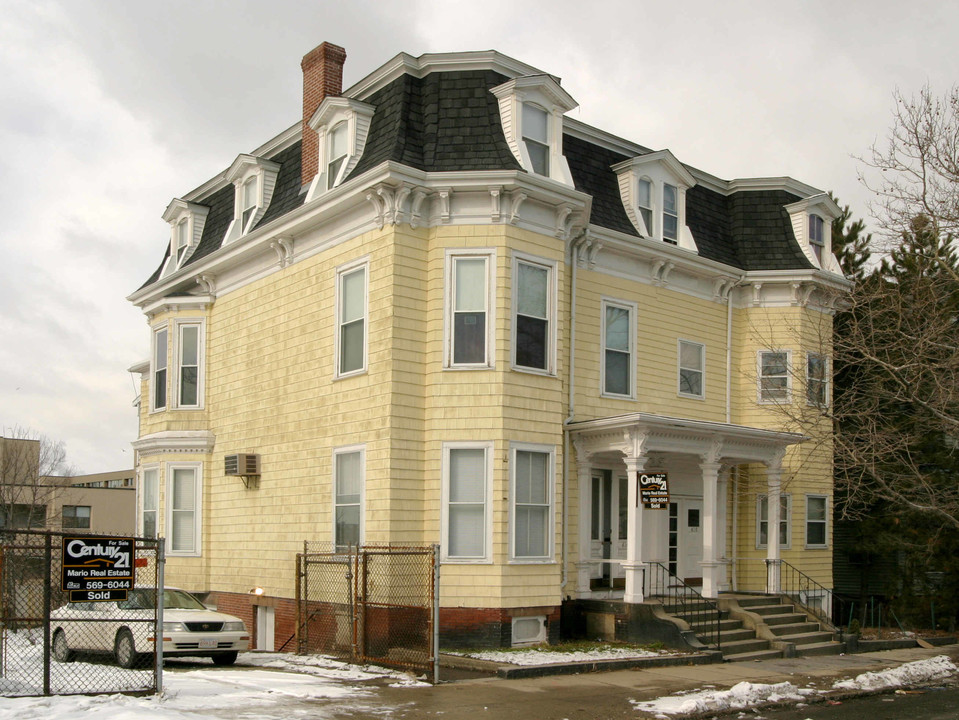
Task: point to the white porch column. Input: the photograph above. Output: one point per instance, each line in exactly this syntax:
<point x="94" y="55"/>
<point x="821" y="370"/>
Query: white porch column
<point x="584" y="479"/>
<point x="774" y="472"/>
<point x="634" y="567"/>
<point x="711" y="548"/>
<point x="722" y="499"/>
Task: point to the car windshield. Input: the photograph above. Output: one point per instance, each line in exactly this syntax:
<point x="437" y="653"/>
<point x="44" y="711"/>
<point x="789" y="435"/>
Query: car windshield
<point x="145" y="599"/>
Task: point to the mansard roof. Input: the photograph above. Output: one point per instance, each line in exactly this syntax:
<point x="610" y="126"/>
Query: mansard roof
<point x="448" y="121"/>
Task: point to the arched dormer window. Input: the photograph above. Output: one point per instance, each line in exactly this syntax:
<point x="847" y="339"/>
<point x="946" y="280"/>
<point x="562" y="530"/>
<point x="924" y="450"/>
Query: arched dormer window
<point x="811" y="220"/>
<point x="817" y="240"/>
<point x="337" y="153"/>
<point x="342" y="125"/>
<point x="254" y="179"/>
<point x="187" y="221"/>
<point x="536" y="137"/>
<point x="653" y="190"/>
<point x="182" y="240"/>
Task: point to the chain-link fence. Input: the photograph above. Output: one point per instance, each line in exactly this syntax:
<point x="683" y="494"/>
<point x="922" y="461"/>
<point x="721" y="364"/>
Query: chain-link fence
<point x="373" y="604"/>
<point x="52" y="646"/>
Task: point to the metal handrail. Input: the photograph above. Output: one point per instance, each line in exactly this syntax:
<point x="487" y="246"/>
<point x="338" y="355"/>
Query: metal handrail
<point x="800" y="588"/>
<point x="695" y="609"/>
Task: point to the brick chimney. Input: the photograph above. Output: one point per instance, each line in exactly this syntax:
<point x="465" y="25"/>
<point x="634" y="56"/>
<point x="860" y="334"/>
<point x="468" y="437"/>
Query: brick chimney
<point x="322" y="76"/>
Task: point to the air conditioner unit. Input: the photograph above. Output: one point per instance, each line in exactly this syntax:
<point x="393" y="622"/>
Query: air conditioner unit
<point x="244" y="464"/>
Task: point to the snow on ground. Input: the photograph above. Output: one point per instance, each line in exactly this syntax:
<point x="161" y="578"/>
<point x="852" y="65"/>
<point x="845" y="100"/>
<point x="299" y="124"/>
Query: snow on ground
<point x="546" y="656"/>
<point x="937" y="668"/>
<point x="739" y="696"/>
<point x="748" y="695"/>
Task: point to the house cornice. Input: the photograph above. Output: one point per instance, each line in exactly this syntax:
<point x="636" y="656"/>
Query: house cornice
<point x="175" y="441"/>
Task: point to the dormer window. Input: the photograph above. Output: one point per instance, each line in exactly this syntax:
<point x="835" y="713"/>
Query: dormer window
<point x="653" y="190"/>
<point x="337" y="154"/>
<point x="817" y="240"/>
<point x="342" y="125"/>
<point x="187" y="221"/>
<point x="531" y="111"/>
<point x="254" y="179"/>
<point x="536" y="137"/>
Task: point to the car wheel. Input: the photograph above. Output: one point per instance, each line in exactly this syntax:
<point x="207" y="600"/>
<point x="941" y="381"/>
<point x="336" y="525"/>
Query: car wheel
<point x="224" y="658"/>
<point x="61" y="650"/>
<point x="125" y="651"/>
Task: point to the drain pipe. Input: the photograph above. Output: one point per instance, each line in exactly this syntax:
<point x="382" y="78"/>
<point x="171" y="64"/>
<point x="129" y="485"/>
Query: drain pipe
<point x="734" y="475"/>
<point x="574" y="245"/>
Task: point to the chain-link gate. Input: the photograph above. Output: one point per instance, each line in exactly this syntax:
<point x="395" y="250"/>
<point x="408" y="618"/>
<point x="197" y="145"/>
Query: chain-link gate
<point x="51" y="646"/>
<point x="376" y="604"/>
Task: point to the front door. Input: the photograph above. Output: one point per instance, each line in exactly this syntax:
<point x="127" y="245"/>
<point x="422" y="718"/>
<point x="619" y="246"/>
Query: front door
<point x="685" y="540"/>
<point x="608" y="534"/>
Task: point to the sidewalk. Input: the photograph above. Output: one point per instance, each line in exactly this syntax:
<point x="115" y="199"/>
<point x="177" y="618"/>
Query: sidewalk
<point x="598" y="696"/>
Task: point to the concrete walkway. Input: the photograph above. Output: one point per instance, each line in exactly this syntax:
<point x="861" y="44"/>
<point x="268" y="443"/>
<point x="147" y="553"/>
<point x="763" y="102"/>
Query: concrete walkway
<point x="598" y="696"/>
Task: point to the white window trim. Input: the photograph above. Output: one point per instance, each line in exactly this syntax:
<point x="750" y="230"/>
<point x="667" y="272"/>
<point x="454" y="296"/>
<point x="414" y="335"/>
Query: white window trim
<point x="633" y="309"/>
<point x="341" y="271"/>
<point x="156" y="330"/>
<point x="542" y="91"/>
<point x="825" y="521"/>
<point x="197" y="551"/>
<point x="551" y="267"/>
<point x="195" y="217"/>
<point x="243" y="169"/>
<point x="549" y="450"/>
<point x="348" y="450"/>
<point x="679" y="369"/>
<point x="141" y="494"/>
<point x="784" y="518"/>
<point x="487" y="557"/>
<point x="759" y="378"/>
<point x="826" y="385"/>
<point x="826" y="208"/>
<point x="331" y="112"/>
<point x="659" y="169"/>
<point x="200" y="324"/>
<point x="449" y="306"/>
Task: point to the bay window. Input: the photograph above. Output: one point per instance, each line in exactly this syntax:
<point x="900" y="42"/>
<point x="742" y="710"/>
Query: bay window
<point x="467" y="499"/>
<point x="468" y="310"/>
<point x="531" y="507"/>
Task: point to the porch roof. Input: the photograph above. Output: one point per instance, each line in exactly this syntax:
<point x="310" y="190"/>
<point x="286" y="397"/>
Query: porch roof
<point x="644" y="433"/>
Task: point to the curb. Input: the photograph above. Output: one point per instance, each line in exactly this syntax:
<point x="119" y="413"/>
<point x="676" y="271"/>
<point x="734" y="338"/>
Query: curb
<point x="512" y="672"/>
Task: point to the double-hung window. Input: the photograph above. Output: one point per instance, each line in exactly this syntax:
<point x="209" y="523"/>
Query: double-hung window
<point x="532" y="315"/>
<point x="619" y="342"/>
<point x="182" y="240"/>
<point x="536" y="137"/>
<point x="532" y="515"/>
<point x="762" y="521"/>
<point x="817" y="236"/>
<point x="76" y="516"/>
<point x="351" y="331"/>
<point x="816" y="520"/>
<point x="817" y="382"/>
<point x="773" y="376"/>
<point x="670" y="213"/>
<point x="158" y="375"/>
<point x="188" y="365"/>
<point x="644" y="201"/>
<point x="467" y="500"/>
<point x="336" y="153"/>
<point x="249" y="203"/>
<point x="348" y="484"/>
<point x="692" y="361"/>
<point x="183" y="509"/>
<point x="468" y="310"/>
<point x="149" y="502"/>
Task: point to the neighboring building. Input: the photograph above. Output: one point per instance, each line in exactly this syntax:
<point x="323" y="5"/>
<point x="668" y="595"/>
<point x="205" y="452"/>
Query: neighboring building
<point x="33" y="501"/>
<point x="441" y="311"/>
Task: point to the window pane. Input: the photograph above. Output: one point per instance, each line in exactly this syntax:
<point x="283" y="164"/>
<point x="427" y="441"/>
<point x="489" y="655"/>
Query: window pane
<point x="161" y="349"/>
<point x="349" y="474"/>
<point x="647" y="219"/>
<point x="150" y="524"/>
<point x="538" y="157"/>
<point x="338" y="141"/>
<point x="189" y="344"/>
<point x="150" y="489"/>
<point x="347" y="526"/>
<point x="645" y="194"/>
<point x="531" y="530"/>
<point x="182" y="536"/>
<point x="669" y="199"/>
<point x="159" y="395"/>
<point x="467" y="531"/>
<point x="617" y="328"/>
<point x="691" y="355"/>
<point x="690" y="382"/>
<point x="188" y="386"/>
<point x="467" y="475"/>
<point x="617" y="372"/>
<point x="535" y="123"/>
<point x="470" y="282"/>
<point x="159" y="366"/>
<point x="184" y="483"/>
<point x="532" y="288"/>
<point x="531" y="340"/>
<point x="816" y="533"/>
<point x="531" y="477"/>
<point x="669" y="226"/>
<point x="774" y="363"/>
<point x="469" y="337"/>
<point x="816" y="508"/>
<point x="351" y="347"/>
<point x="352" y="291"/>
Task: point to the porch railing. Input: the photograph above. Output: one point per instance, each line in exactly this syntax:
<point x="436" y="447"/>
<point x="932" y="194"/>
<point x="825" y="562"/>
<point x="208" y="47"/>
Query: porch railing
<point x="702" y="614"/>
<point x="811" y="596"/>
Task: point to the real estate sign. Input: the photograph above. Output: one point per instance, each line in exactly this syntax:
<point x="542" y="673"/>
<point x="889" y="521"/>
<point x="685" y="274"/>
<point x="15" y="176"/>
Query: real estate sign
<point x="97" y="568"/>
<point x="654" y="490"/>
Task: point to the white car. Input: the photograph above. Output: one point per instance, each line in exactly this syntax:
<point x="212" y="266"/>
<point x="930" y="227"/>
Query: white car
<point x="125" y="628"/>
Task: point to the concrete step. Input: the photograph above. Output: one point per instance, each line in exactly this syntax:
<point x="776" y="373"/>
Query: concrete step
<point x="766" y="610"/>
<point x="807" y="638"/>
<point x="784" y="619"/>
<point x="823" y="648"/>
<point x="743" y="646"/>
<point x="758" y="600"/>
<point x="794" y="628"/>
<point x="739" y="634"/>
<point x="747" y="656"/>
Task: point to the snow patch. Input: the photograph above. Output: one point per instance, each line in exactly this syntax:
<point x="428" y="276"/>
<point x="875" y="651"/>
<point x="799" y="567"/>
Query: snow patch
<point x="920" y="671"/>
<point x="741" y="695"/>
<point x="546" y="656"/>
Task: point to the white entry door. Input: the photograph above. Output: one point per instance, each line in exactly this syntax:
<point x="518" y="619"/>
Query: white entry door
<point x="686" y="539"/>
<point x="608" y="509"/>
<point x="265" y="638"/>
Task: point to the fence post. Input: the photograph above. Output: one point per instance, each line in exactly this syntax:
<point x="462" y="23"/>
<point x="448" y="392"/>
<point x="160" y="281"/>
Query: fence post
<point x="47" y="561"/>
<point x="436" y="614"/>
<point x="158" y="630"/>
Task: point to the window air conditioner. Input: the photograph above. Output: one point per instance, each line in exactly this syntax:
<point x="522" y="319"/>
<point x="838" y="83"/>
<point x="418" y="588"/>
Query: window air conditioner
<point x="244" y="464"/>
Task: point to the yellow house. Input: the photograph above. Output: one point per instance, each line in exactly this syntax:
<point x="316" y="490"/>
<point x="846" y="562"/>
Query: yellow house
<point x="439" y="310"/>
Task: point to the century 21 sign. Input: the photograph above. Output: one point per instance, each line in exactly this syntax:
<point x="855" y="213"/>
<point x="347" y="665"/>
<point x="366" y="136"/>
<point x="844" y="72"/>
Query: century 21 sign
<point x="653" y="490"/>
<point x="97" y="568"/>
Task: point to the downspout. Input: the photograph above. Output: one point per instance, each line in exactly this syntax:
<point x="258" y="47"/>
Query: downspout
<point x="734" y="475"/>
<point x="574" y="245"/>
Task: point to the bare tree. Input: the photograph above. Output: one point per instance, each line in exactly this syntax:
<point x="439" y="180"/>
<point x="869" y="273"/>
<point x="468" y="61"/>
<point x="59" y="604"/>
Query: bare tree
<point x="31" y="466"/>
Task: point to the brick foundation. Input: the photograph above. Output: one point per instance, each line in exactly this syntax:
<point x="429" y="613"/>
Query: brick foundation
<point x="243" y="605"/>
<point x="490" y="627"/>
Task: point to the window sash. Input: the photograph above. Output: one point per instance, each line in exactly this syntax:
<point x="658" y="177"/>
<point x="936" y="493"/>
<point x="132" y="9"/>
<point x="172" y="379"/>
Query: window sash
<point x="670" y="213"/>
<point x="467" y="511"/>
<point x="337" y="154"/>
<point x="76" y="516"/>
<point x="617" y="347"/>
<point x="352" y="320"/>
<point x="189" y="366"/>
<point x="150" y="499"/>
<point x="249" y="202"/>
<point x="159" y="369"/>
<point x="347" y="499"/>
<point x="762" y="533"/>
<point x="816" y="520"/>
<point x="816" y="380"/>
<point x="773" y="376"/>
<point x="532" y="502"/>
<point x="691" y="368"/>
<point x="536" y="137"/>
<point x="645" y="203"/>
<point x="182" y="240"/>
<point x="470" y="298"/>
<point x="183" y="510"/>
<point x="533" y="292"/>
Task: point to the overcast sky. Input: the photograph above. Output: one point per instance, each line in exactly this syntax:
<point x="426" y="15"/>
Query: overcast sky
<point x="108" y="110"/>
